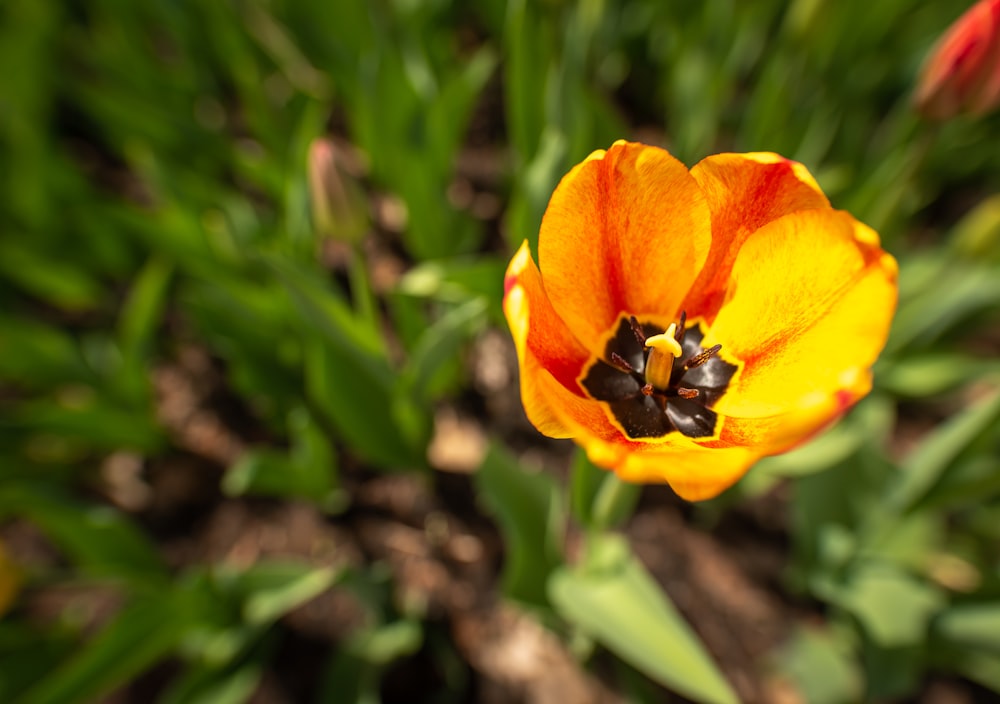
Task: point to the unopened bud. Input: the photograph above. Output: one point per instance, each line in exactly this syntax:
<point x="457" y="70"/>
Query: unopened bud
<point x="962" y="73"/>
<point x="339" y="207"/>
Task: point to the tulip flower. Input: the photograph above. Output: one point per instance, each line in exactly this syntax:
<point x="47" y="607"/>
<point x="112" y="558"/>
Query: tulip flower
<point x="681" y="324"/>
<point x="962" y="74"/>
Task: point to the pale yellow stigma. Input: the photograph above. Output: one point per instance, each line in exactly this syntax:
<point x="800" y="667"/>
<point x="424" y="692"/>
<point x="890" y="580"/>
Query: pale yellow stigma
<point x="666" y="341"/>
<point x="662" y="350"/>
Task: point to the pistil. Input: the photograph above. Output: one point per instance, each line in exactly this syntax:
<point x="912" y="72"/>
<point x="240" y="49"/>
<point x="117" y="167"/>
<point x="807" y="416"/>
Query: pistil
<point x="655" y="384"/>
<point x="663" y="348"/>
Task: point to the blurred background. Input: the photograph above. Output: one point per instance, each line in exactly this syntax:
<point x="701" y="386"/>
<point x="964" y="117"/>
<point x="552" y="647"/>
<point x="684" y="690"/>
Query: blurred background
<point x="260" y="433"/>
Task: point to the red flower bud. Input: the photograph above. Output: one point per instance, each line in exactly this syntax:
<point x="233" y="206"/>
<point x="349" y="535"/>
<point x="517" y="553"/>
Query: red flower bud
<point x="962" y="74"/>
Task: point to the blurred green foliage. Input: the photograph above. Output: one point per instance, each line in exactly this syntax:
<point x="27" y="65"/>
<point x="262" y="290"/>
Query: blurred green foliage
<point x="154" y="196"/>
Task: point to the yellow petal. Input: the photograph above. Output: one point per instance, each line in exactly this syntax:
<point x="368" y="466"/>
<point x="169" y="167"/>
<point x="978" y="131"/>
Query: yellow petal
<point x="626" y="231"/>
<point x="694" y="472"/>
<point x="813" y="413"/>
<point x="744" y="192"/>
<point x="807" y="311"/>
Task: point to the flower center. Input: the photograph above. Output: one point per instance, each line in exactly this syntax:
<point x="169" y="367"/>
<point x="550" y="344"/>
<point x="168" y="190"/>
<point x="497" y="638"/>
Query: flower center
<point x="659" y="381"/>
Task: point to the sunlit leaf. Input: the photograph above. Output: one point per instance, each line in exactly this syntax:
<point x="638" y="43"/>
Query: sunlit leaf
<point x="613" y="598"/>
<point x="274" y="588"/>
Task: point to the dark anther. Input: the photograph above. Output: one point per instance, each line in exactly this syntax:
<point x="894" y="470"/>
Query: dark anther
<point x="702" y="357"/>
<point x="619" y="363"/>
<point x="637" y="331"/>
<point x="679" y="335"/>
<point x="683" y="404"/>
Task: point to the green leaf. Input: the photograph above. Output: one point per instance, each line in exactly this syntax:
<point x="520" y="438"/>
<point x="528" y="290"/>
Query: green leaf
<point x="34" y="354"/>
<point x="976" y="625"/>
<point x="530" y="512"/>
<point x="348" y="376"/>
<point x="29" y="654"/>
<point x="977" y="234"/>
<point x="60" y="283"/>
<point x="361" y="406"/>
<point x="950" y="297"/>
<point x="921" y="376"/>
<point x="308" y="470"/>
<point x="612" y="598"/>
<point x="349" y="678"/>
<point x="927" y="463"/>
<point x="137" y="326"/>
<point x="440" y="344"/>
<point x="907" y="541"/>
<point x="829" y="449"/>
<point x="383" y="644"/>
<point x="274" y="588"/>
<point x="456" y="280"/>
<point x="821" y="666"/>
<point x="204" y="685"/>
<point x="142" y="310"/>
<point x="893" y="607"/>
<point x="95" y="421"/>
<point x="140" y="635"/>
<point x="324" y="310"/>
<point x="892" y="672"/>
<point x="99" y="539"/>
<point x="982" y="668"/>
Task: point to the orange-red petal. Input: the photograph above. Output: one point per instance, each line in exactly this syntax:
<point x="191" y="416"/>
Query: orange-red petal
<point x="626" y="231"/>
<point x="535" y="324"/>
<point x="744" y="192"/>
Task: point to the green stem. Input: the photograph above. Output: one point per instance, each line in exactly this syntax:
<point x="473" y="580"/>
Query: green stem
<point x="361" y="290"/>
<point x="614" y="500"/>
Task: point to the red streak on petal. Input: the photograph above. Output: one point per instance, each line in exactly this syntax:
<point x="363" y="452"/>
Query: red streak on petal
<point x="844" y="400"/>
<point x="607" y="211"/>
<point x="509" y="281"/>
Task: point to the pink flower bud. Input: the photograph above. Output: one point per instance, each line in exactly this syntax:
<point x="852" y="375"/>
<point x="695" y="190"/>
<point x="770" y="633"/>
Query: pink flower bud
<point x="339" y="209"/>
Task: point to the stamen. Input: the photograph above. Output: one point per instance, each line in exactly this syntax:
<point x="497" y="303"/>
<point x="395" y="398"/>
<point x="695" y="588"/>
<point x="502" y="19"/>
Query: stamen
<point x="702" y="357"/>
<point x="637" y="330"/>
<point x="681" y="330"/>
<point x="645" y="388"/>
<point x="662" y="350"/>
<point x="619" y="363"/>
